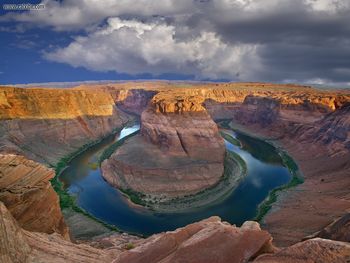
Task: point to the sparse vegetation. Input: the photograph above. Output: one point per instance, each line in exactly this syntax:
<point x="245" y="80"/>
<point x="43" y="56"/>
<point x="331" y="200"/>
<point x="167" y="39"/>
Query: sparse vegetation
<point x="112" y="148"/>
<point x="66" y="200"/>
<point x="238" y="159"/>
<point x="135" y="197"/>
<point x="129" y="246"/>
<point x="224" y="123"/>
<point x="235" y="169"/>
<point x="297" y="179"/>
<point x="287" y="161"/>
<point x="230" y="139"/>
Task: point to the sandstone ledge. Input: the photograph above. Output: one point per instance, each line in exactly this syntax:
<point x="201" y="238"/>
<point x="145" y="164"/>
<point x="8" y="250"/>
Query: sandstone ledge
<point x="207" y="241"/>
<point x="26" y="190"/>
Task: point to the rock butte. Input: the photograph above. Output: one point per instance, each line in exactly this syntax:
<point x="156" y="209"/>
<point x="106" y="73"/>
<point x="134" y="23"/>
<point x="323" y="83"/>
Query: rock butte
<point x="312" y="125"/>
<point x="179" y="151"/>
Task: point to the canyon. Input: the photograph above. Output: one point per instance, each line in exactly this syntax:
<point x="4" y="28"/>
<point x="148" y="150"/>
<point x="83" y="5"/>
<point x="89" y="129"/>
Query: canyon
<point x="40" y="126"/>
<point x="179" y="150"/>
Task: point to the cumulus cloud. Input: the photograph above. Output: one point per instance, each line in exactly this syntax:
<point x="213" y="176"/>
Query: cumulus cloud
<point x="268" y="40"/>
<point x="130" y="46"/>
<point x="78" y="14"/>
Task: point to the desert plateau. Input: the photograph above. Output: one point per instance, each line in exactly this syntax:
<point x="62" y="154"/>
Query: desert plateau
<point x="168" y="155"/>
<point x="175" y="131"/>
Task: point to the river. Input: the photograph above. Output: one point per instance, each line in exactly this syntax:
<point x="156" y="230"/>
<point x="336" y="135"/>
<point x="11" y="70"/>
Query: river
<point x="83" y="179"/>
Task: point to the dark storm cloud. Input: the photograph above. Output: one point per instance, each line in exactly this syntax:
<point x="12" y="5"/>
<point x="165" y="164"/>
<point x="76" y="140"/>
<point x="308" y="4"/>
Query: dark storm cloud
<point x="270" y="40"/>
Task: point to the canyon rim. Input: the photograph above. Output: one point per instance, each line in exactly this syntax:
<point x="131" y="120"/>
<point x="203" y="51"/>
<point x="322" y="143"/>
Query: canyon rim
<point x="177" y="131"/>
<point x="177" y="156"/>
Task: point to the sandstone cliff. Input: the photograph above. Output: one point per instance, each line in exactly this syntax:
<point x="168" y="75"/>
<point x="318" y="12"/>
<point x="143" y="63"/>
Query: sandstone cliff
<point x="36" y="121"/>
<point x="20" y="103"/>
<point x="316" y="133"/>
<point x="333" y="131"/>
<point x="314" y="250"/>
<point x="311" y="124"/>
<point x="179" y="151"/>
<point x="337" y="230"/>
<point x="26" y="191"/>
<point x="19" y="246"/>
<point x="134" y="101"/>
<point x="209" y="240"/>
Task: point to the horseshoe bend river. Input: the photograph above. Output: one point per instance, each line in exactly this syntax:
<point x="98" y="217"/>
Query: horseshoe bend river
<point x="265" y="172"/>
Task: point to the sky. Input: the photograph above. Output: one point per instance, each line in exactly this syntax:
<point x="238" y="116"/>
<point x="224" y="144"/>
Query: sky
<point x="285" y="41"/>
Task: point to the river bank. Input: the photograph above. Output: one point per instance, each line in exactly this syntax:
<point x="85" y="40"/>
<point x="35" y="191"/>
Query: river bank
<point x="297" y="177"/>
<point x="71" y="211"/>
<point x="83" y="225"/>
<point x="234" y="170"/>
<point x="318" y="201"/>
<point x="93" y="194"/>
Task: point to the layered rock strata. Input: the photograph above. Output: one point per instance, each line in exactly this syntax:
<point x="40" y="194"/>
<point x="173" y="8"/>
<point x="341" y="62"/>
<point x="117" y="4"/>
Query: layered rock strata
<point x="35" y="121"/>
<point x="314" y="250"/>
<point x="26" y="191"/>
<point x="134" y="101"/>
<point x="178" y="152"/>
<point x="209" y="240"/>
<point x="311" y="124"/>
<point x="318" y="140"/>
<point x="337" y="230"/>
<point x="18" y="245"/>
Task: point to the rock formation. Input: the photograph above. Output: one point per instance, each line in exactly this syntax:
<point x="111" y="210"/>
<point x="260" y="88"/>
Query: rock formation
<point x="134" y="101"/>
<point x="337" y="230"/>
<point x="179" y="151"/>
<point x="333" y="131"/>
<point x="317" y="138"/>
<point x="26" y="191"/>
<point x="312" y="125"/>
<point x="314" y="250"/>
<point x="180" y="125"/>
<point x="18" y="245"/>
<point x="35" y="121"/>
<point x="207" y="241"/>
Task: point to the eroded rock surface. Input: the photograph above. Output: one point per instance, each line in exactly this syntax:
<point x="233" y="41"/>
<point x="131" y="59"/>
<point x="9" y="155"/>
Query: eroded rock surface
<point x="209" y="241"/>
<point x="13" y="244"/>
<point x="26" y="191"/>
<point x="178" y="152"/>
<point x="337" y="230"/>
<point x="311" y="124"/>
<point x="313" y="250"/>
<point x="318" y="142"/>
<point x="35" y="121"/>
<point x="18" y="245"/>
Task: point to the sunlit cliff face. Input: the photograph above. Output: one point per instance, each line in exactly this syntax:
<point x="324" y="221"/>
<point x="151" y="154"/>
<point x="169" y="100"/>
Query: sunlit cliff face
<point x="16" y="103"/>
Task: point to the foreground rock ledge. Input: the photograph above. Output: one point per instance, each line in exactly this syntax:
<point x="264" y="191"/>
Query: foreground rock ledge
<point x="207" y="241"/>
<point x="26" y="191"/>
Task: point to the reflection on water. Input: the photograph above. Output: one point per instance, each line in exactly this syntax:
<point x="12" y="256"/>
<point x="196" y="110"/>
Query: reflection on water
<point x="84" y="180"/>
